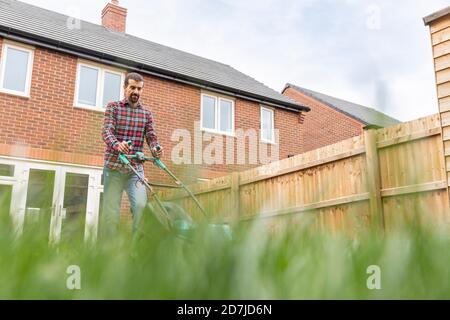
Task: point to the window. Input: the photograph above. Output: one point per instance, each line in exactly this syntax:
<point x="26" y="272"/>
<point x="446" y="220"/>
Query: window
<point x="112" y="87"/>
<point x="6" y="170"/>
<point x="17" y="65"/>
<point x="217" y="114"/>
<point x="267" y="125"/>
<point x="87" y="87"/>
<point x="97" y="86"/>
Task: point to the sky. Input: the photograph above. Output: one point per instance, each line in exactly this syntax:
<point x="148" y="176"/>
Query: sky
<point x="376" y="53"/>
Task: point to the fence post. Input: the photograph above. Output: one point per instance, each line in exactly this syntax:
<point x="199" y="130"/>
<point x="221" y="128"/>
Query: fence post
<point x="373" y="178"/>
<point x="235" y="205"/>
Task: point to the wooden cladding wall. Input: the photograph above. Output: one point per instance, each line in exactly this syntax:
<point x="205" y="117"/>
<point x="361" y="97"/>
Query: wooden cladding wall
<point x="440" y="41"/>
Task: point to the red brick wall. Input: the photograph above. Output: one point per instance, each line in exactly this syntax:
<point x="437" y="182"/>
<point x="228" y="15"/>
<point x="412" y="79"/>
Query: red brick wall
<point x="47" y="126"/>
<point x="323" y="125"/>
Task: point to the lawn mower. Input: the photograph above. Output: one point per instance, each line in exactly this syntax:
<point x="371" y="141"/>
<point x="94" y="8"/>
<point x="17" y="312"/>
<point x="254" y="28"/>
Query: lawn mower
<point x="169" y="216"/>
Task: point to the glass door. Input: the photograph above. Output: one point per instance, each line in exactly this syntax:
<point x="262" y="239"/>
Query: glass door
<point x="78" y="217"/>
<point x="6" y="186"/>
<point x="40" y="201"/>
<point x="74" y="209"/>
<point x="5" y="202"/>
<point x="61" y="201"/>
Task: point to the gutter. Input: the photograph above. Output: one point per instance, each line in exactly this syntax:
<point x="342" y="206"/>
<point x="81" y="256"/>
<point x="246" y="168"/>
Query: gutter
<point x="11" y="34"/>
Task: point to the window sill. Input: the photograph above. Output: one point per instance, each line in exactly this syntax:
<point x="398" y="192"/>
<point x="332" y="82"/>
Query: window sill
<point x="95" y="109"/>
<point x="15" y="93"/>
<point x="220" y="133"/>
<point x="268" y="142"/>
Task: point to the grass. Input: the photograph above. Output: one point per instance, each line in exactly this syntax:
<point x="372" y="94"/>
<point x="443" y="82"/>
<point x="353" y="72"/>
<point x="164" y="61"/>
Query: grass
<point x="255" y="264"/>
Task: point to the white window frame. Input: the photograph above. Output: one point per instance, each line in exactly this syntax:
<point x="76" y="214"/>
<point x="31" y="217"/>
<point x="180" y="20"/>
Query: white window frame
<point x="6" y="45"/>
<point x="100" y="85"/>
<point x="272" y="141"/>
<point x="217" y="99"/>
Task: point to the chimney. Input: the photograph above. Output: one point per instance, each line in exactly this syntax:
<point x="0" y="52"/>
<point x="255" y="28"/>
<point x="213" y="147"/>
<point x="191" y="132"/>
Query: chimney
<point x="114" y="17"/>
<point x="439" y="24"/>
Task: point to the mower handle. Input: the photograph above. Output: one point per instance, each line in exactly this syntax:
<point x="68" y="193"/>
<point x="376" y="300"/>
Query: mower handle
<point x="140" y="157"/>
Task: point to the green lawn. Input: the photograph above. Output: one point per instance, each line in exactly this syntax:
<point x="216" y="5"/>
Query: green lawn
<point x="292" y="264"/>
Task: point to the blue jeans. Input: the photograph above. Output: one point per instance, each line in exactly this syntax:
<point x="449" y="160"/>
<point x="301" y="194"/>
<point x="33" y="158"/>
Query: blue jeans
<point x="114" y="183"/>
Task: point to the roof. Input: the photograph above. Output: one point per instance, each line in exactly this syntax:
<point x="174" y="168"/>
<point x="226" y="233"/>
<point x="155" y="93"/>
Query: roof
<point x="434" y="16"/>
<point x="367" y="116"/>
<point x="31" y="24"/>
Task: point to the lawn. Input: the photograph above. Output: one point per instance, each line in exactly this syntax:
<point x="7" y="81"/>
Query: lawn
<point x="293" y="263"/>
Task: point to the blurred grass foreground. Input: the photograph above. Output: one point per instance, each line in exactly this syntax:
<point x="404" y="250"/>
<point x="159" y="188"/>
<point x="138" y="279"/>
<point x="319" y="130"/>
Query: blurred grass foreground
<point x="292" y="263"/>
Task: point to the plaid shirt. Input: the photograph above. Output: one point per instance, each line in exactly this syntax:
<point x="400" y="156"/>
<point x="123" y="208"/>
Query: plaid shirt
<point x="122" y="122"/>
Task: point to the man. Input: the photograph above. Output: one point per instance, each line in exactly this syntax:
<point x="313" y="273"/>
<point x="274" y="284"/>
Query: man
<point x="125" y="120"/>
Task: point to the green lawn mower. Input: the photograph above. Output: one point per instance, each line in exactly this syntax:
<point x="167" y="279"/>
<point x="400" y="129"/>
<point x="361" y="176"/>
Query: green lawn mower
<point x="168" y="216"/>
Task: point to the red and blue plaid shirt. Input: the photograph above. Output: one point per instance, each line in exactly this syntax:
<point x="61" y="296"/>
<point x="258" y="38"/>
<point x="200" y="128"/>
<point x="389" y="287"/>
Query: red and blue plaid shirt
<point x="123" y="122"/>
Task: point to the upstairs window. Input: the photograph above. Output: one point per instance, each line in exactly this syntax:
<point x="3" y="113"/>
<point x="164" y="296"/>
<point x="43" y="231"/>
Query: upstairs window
<point x="217" y="114"/>
<point x="267" y="125"/>
<point x="97" y="86"/>
<point x="16" y="69"/>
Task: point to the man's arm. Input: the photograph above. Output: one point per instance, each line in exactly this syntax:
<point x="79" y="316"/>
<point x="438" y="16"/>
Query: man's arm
<point x="150" y="133"/>
<point x="109" y="126"/>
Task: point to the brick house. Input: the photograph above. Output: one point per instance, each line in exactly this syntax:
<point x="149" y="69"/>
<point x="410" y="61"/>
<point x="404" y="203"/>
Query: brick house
<point x="331" y="119"/>
<point x="57" y="74"/>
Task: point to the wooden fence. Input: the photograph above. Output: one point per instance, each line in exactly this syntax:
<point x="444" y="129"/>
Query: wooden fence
<point x="381" y="178"/>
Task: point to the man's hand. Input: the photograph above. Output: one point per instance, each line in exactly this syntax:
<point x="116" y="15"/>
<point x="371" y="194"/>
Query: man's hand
<point x="157" y="152"/>
<point x="123" y="147"/>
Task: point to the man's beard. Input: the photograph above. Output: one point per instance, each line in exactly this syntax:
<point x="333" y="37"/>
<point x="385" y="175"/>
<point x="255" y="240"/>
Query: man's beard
<point x="134" y="98"/>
